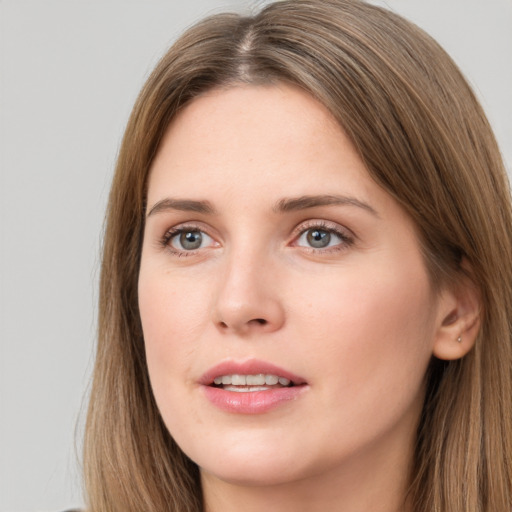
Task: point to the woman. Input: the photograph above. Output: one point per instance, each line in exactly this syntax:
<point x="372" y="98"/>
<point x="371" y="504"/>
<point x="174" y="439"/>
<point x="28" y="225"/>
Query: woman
<point x="306" y="284"/>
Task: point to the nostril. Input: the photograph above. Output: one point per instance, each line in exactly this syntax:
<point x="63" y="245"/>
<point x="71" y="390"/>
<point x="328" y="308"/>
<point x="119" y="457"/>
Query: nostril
<point x="255" y="321"/>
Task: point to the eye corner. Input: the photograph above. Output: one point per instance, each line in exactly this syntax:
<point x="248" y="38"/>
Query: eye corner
<point x="187" y="240"/>
<point x="321" y="236"/>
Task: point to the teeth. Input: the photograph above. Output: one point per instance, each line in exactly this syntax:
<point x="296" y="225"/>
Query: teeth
<point x="270" y="380"/>
<point x="238" y="380"/>
<point x="245" y="389"/>
<point x="259" y="379"/>
<point x="255" y="380"/>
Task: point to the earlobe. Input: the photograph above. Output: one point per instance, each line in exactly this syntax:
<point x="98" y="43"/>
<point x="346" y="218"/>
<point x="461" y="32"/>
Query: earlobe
<point x="459" y="320"/>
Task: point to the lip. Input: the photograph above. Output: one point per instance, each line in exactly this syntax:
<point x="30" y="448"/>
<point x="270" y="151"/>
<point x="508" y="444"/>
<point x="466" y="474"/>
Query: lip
<point x="249" y="367"/>
<point x="255" y="402"/>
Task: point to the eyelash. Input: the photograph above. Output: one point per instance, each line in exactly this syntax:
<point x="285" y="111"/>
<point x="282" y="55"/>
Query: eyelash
<point x="172" y="233"/>
<point x="346" y="239"/>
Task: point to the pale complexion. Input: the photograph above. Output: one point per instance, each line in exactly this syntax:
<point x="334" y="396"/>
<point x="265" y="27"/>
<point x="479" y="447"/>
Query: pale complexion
<point x="237" y="265"/>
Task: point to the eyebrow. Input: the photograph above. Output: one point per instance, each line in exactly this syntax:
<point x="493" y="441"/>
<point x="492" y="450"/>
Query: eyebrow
<point x="282" y="206"/>
<point x="305" y="202"/>
<point x="184" y="205"/>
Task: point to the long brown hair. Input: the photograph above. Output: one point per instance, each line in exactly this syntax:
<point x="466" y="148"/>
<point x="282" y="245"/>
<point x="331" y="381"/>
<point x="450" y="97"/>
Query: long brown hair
<point x="424" y="139"/>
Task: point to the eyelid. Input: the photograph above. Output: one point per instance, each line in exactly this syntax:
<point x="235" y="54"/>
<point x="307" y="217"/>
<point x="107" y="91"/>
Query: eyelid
<point x="345" y="234"/>
<point x="174" y="231"/>
<point x="323" y="224"/>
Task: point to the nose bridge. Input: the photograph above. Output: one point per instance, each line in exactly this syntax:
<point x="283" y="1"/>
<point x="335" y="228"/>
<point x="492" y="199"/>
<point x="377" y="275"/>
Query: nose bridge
<point x="247" y="296"/>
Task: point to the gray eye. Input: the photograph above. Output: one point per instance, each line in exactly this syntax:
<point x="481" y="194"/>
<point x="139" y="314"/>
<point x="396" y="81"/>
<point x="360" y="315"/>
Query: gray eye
<point x="321" y="238"/>
<point x="318" y="238"/>
<point x="188" y="240"/>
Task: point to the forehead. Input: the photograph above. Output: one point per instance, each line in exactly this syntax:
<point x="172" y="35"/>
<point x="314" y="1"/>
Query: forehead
<point x="252" y="137"/>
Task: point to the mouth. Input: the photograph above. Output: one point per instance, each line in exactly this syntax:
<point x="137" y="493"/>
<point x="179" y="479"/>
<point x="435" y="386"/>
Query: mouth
<point x="240" y="383"/>
<point x="251" y="387"/>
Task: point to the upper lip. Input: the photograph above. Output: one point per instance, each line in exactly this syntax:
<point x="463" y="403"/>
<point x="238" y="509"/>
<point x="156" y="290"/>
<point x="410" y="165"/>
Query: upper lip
<point x="248" y="367"/>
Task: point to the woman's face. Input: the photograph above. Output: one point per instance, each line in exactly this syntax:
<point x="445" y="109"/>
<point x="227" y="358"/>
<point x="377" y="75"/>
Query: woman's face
<point x="270" y="258"/>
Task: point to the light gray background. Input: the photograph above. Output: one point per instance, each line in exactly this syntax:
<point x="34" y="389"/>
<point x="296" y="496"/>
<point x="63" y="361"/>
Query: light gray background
<point x="69" y="73"/>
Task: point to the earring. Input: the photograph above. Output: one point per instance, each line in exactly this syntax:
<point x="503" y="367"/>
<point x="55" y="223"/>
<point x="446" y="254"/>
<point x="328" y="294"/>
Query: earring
<point x="459" y="339"/>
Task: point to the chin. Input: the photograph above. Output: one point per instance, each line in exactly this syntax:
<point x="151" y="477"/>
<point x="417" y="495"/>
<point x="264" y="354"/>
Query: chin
<point x="250" y="463"/>
<point x="271" y="473"/>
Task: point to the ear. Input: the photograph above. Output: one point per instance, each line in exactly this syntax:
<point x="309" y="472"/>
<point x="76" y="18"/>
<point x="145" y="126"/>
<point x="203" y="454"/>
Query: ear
<point x="458" y="320"/>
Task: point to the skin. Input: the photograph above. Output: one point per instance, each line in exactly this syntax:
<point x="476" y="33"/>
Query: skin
<point x="358" y="319"/>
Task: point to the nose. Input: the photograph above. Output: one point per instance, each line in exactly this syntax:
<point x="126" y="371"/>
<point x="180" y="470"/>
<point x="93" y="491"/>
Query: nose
<point x="247" y="298"/>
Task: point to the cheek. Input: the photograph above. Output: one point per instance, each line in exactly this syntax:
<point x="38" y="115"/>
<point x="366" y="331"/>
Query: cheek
<point x="171" y="303"/>
<point x="373" y="333"/>
<point x="172" y="323"/>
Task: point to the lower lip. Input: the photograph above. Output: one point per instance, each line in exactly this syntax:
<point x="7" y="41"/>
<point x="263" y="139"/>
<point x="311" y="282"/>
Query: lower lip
<point x="252" y="402"/>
